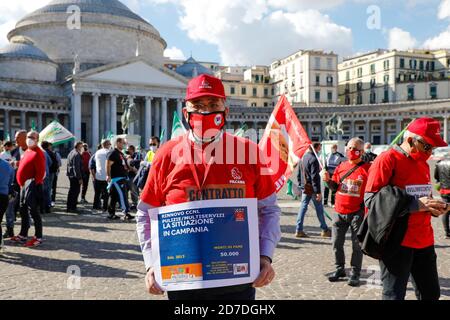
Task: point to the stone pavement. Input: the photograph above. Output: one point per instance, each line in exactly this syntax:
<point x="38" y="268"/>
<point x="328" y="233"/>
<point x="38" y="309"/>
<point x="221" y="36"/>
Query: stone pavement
<point x="106" y="255"/>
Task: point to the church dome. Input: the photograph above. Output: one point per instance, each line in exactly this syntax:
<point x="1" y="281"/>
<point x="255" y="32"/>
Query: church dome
<point x="21" y="59"/>
<point x="112" y="7"/>
<point x="191" y="69"/>
<point x="23" y="48"/>
<point x="105" y="31"/>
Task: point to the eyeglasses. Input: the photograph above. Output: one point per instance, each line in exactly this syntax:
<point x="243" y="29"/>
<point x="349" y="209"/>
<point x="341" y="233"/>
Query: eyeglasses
<point x="426" y="146"/>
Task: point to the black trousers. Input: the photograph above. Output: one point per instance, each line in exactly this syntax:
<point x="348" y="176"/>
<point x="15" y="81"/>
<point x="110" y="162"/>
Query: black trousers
<point x="74" y="192"/>
<point x="420" y="264"/>
<point x="55" y="184"/>
<point x="86" y="176"/>
<point x="100" y="194"/>
<point x="241" y="292"/>
<point x="31" y="198"/>
<point x="4" y="202"/>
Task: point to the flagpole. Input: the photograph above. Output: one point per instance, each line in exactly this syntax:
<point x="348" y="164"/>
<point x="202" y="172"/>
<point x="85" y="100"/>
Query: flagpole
<point x="394" y="142"/>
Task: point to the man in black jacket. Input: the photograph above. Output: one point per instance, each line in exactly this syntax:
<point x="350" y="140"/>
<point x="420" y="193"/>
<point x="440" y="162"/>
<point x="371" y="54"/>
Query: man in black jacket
<point x="442" y="175"/>
<point x="309" y="181"/>
<point x="74" y="172"/>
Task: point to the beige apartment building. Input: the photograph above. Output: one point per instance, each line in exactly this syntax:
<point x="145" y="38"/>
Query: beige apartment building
<point x="394" y="76"/>
<point x="307" y="77"/>
<point x="249" y="84"/>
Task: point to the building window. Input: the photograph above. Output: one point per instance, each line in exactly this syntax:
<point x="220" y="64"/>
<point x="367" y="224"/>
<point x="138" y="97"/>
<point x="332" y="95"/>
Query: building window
<point x="330" y="80"/>
<point x="421" y="65"/>
<point x="386" y="94"/>
<point x="347" y="100"/>
<point x="386" y="64"/>
<point x="330" y="96"/>
<point x="402" y="63"/>
<point x="347" y="76"/>
<point x="359" y="72"/>
<point x="372" y="83"/>
<point x="317" y="96"/>
<point x="266" y="104"/>
<point x="244" y="91"/>
<point x="266" y="92"/>
<point x="373" y="97"/>
<point x="330" y="63"/>
<point x="433" y="91"/>
<point x="232" y="90"/>
<point x="386" y="79"/>
<point x="432" y="65"/>
<point x="359" y="86"/>
<point x="347" y="87"/>
<point x="255" y="92"/>
<point x="317" y="63"/>
<point x="372" y="68"/>
<point x="317" y="79"/>
<point x="410" y="93"/>
<point x="253" y="104"/>
<point x="273" y="91"/>
<point x="359" y="99"/>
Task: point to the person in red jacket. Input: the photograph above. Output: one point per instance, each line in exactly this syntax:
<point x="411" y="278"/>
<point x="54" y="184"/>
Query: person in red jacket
<point x="30" y="177"/>
<point x="349" y="182"/>
<point x="406" y="168"/>
<point x="85" y="157"/>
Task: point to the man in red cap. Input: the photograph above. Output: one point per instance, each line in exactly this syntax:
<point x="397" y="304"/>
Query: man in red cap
<point x="210" y="178"/>
<point x="404" y="172"/>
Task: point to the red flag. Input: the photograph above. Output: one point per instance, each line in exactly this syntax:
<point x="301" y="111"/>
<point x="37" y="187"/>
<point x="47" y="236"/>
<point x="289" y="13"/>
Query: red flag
<point x="284" y="142"/>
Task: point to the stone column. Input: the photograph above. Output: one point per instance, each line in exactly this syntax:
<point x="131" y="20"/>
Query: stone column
<point x="7" y="131"/>
<point x="446" y="128"/>
<point x="179" y="108"/>
<point x="324" y="133"/>
<point x="132" y="126"/>
<point x="352" y="128"/>
<point x="383" y="131"/>
<point x="148" y="119"/>
<point x="164" y="118"/>
<point x="55" y="116"/>
<point x="23" y="120"/>
<point x="368" y="137"/>
<point x="39" y="124"/>
<point x="113" y="114"/>
<point x="76" y="114"/>
<point x="157" y="118"/>
<point x="95" y="120"/>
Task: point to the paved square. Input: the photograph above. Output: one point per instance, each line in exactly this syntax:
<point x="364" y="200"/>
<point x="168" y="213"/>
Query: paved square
<point x="106" y="254"/>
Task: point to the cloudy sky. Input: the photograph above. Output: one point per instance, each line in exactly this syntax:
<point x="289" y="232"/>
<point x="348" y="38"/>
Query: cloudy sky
<point x="246" y="32"/>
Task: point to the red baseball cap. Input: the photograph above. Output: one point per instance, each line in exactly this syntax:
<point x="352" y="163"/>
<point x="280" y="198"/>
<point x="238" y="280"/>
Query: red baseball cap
<point x="205" y="85"/>
<point x="429" y="129"/>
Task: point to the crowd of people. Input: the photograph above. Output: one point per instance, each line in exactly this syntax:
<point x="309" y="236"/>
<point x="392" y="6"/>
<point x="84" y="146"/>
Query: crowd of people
<point x="385" y="200"/>
<point x="29" y="171"/>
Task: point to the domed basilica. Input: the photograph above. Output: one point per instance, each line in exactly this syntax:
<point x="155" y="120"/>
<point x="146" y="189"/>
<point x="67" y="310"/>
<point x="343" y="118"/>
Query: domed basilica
<point x="85" y="74"/>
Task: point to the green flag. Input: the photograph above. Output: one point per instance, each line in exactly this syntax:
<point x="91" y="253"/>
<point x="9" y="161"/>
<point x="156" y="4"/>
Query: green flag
<point x="178" y="128"/>
<point x="161" y="137"/>
<point x="33" y="125"/>
<point x="56" y="134"/>
<point x="241" y="131"/>
<point x="7" y="137"/>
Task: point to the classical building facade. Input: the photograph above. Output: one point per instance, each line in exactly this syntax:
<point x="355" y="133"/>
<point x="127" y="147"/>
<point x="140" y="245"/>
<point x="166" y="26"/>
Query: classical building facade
<point x="82" y="76"/>
<point x="393" y="76"/>
<point x="377" y="123"/>
<point x="306" y="77"/>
